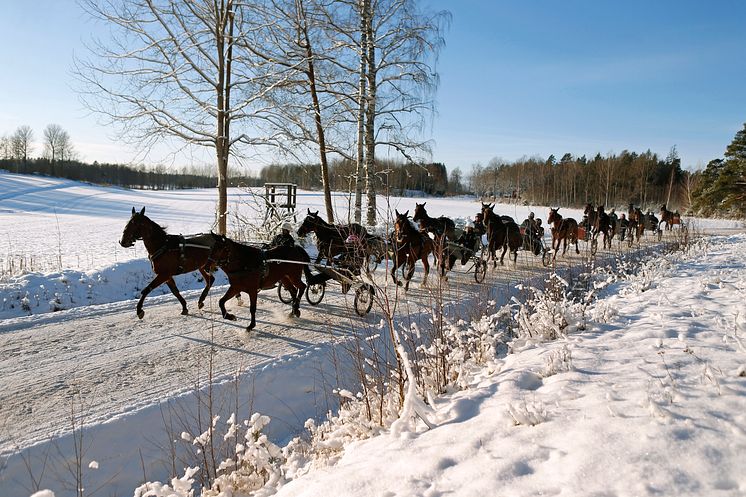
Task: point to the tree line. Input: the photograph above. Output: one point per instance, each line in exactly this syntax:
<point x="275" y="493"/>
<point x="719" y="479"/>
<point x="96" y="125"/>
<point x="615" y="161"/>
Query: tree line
<point x="135" y="177"/>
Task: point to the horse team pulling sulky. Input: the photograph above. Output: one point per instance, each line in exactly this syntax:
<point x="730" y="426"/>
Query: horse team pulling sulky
<point x="350" y="253"/>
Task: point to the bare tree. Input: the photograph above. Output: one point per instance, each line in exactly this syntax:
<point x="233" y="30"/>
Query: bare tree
<point x="402" y="48"/>
<point x="55" y="139"/>
<point x="172" y="70"/>
<point x="21" y="143"/>
<point x="294" y="40"/>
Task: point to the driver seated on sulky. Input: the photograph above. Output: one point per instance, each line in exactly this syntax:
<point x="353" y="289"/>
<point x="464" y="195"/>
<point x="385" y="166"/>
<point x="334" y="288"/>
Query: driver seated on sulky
<point x="284" y="238"/>
<point x="532" y="226"/>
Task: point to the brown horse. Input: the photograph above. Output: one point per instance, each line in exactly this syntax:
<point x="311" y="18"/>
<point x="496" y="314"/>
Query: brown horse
<point x="409" y="245"/>
<point x="599" y="222"/>
<point x="170" y="255"/>
<point x="563" y="229"/>
<point x="438" y="226"/>
<point x="330" y="238"/>
<point x="503" y="232"/>
<point x="250" y="269"/>
<point x="670" y="218"/>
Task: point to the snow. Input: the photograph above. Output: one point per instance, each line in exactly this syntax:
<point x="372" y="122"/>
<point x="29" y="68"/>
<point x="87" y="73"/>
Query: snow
<point x="652" y="401"/>
<point x="642" y="393"/>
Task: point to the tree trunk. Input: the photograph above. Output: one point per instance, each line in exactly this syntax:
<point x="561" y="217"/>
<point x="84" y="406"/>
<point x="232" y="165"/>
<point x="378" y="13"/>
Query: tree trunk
<point x="360" y="166"/>
<point x="222" y="142"/>
<point x="370" y="116"/>
<point x="317" y="115"/>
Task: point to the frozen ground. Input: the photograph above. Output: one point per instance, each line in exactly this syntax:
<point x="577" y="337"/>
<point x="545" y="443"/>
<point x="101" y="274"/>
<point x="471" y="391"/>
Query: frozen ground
<point x="654" y="395"/>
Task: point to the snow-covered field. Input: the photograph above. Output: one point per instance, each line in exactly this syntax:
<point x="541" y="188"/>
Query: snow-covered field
<point x="648" y="397"/>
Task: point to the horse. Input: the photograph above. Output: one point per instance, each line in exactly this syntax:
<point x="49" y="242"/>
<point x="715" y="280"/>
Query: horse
<point x="444" y="231"/>
<point x="251" y="269"/>
<point x="668" y="217"/>
<point x="330" y="238"/>
<point x="438" y="226"/>
<point x="503" y="232"/>
<point x="563" y="229"/>
<point x="409" y="245"/>
<point x="602" y="224"/>
<point x="170" y="255"/>
<point x="635" y="224"/>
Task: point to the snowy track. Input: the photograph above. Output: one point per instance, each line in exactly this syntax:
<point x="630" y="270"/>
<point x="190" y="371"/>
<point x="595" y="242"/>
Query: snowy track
<point x="118" y="363"/>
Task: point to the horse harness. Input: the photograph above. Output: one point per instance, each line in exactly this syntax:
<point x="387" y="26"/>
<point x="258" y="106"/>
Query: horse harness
<point x="180" y="243"/>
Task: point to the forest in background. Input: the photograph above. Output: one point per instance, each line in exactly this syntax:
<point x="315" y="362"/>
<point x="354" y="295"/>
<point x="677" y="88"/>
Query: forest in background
<point x="614" y="180"/>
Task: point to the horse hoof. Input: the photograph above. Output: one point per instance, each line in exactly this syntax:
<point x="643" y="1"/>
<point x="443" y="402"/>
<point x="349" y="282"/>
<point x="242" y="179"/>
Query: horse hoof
<point x="296" y="313"/>
<point x="200" y="305"/>
<point x="229" y="316"/>
<point x="250" y="327"/>
<point x="140" y="313"/>
<point x="185" y="312"/>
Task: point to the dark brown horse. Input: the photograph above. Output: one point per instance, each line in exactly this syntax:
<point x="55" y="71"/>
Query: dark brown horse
<point x="250" y="269"/>
<point x="598" y="222"/>
<point x="330" y="238"/>
<point x="438" y="226"/>
<point x="503" y="232"/>
<point x="409" y="245"/>
<point x="635" y="226"/>
<point x="170" y="255"/>
<point x="563" y="229"/>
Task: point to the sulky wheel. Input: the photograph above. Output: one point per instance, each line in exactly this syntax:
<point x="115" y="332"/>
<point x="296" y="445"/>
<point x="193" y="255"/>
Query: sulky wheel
<point x="315" y="293"/>
<point x="284" y="294"/>
<point x="363" y="299"/>
<point x="480" y="270"/>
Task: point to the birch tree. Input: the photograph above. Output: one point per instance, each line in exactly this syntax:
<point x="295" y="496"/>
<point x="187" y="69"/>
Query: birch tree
<point x="301" y="114"/>
<point x="171" y="71"/>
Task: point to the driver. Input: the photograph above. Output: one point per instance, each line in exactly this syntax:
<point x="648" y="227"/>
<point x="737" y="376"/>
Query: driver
<point x="284" y="238"/>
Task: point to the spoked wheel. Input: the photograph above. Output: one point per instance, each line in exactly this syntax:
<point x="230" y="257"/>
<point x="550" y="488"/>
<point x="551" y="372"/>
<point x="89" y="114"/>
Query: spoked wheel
<point x="480" y="270"/>
<point x="363" y="299"/>
<point x="315" y="293"/>
<point x="284" y="294"/>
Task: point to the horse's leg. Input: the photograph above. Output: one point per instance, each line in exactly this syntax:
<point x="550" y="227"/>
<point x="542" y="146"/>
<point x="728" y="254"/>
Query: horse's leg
<point x="426" y="265"/>
<point x="398" y="262"/>
<point x="253" y="292"/>
<point x="298" y="287"/>
<point x="157" y="281"/>
<point x="502" y="256"/>
<point x="172" y="286"/>
<point x="232" y="291"/>
<point x="209" y="280"/>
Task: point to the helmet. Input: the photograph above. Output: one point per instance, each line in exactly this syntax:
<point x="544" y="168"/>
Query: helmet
<point x="286" y="226"/>
<point x="531" y="215"/>
<point x="353" y="238"/>
<point x="538" y="222"/>
<point x="469" y="224"/>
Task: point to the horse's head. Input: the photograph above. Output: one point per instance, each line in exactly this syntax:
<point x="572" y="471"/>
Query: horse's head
<point x="309" y="223"/>
<point x="554" y="216"/>
<point x="588" y="208"/>
<point x="487" y="210"/>
<point x="401" y="225"/>
<point x="420" y="214"/>
<point x="133" y="229"/>
<point x="221" y="249"/>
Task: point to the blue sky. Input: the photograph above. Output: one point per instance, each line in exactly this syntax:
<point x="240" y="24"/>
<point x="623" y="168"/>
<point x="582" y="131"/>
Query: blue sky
<point x="517" y="78"/>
